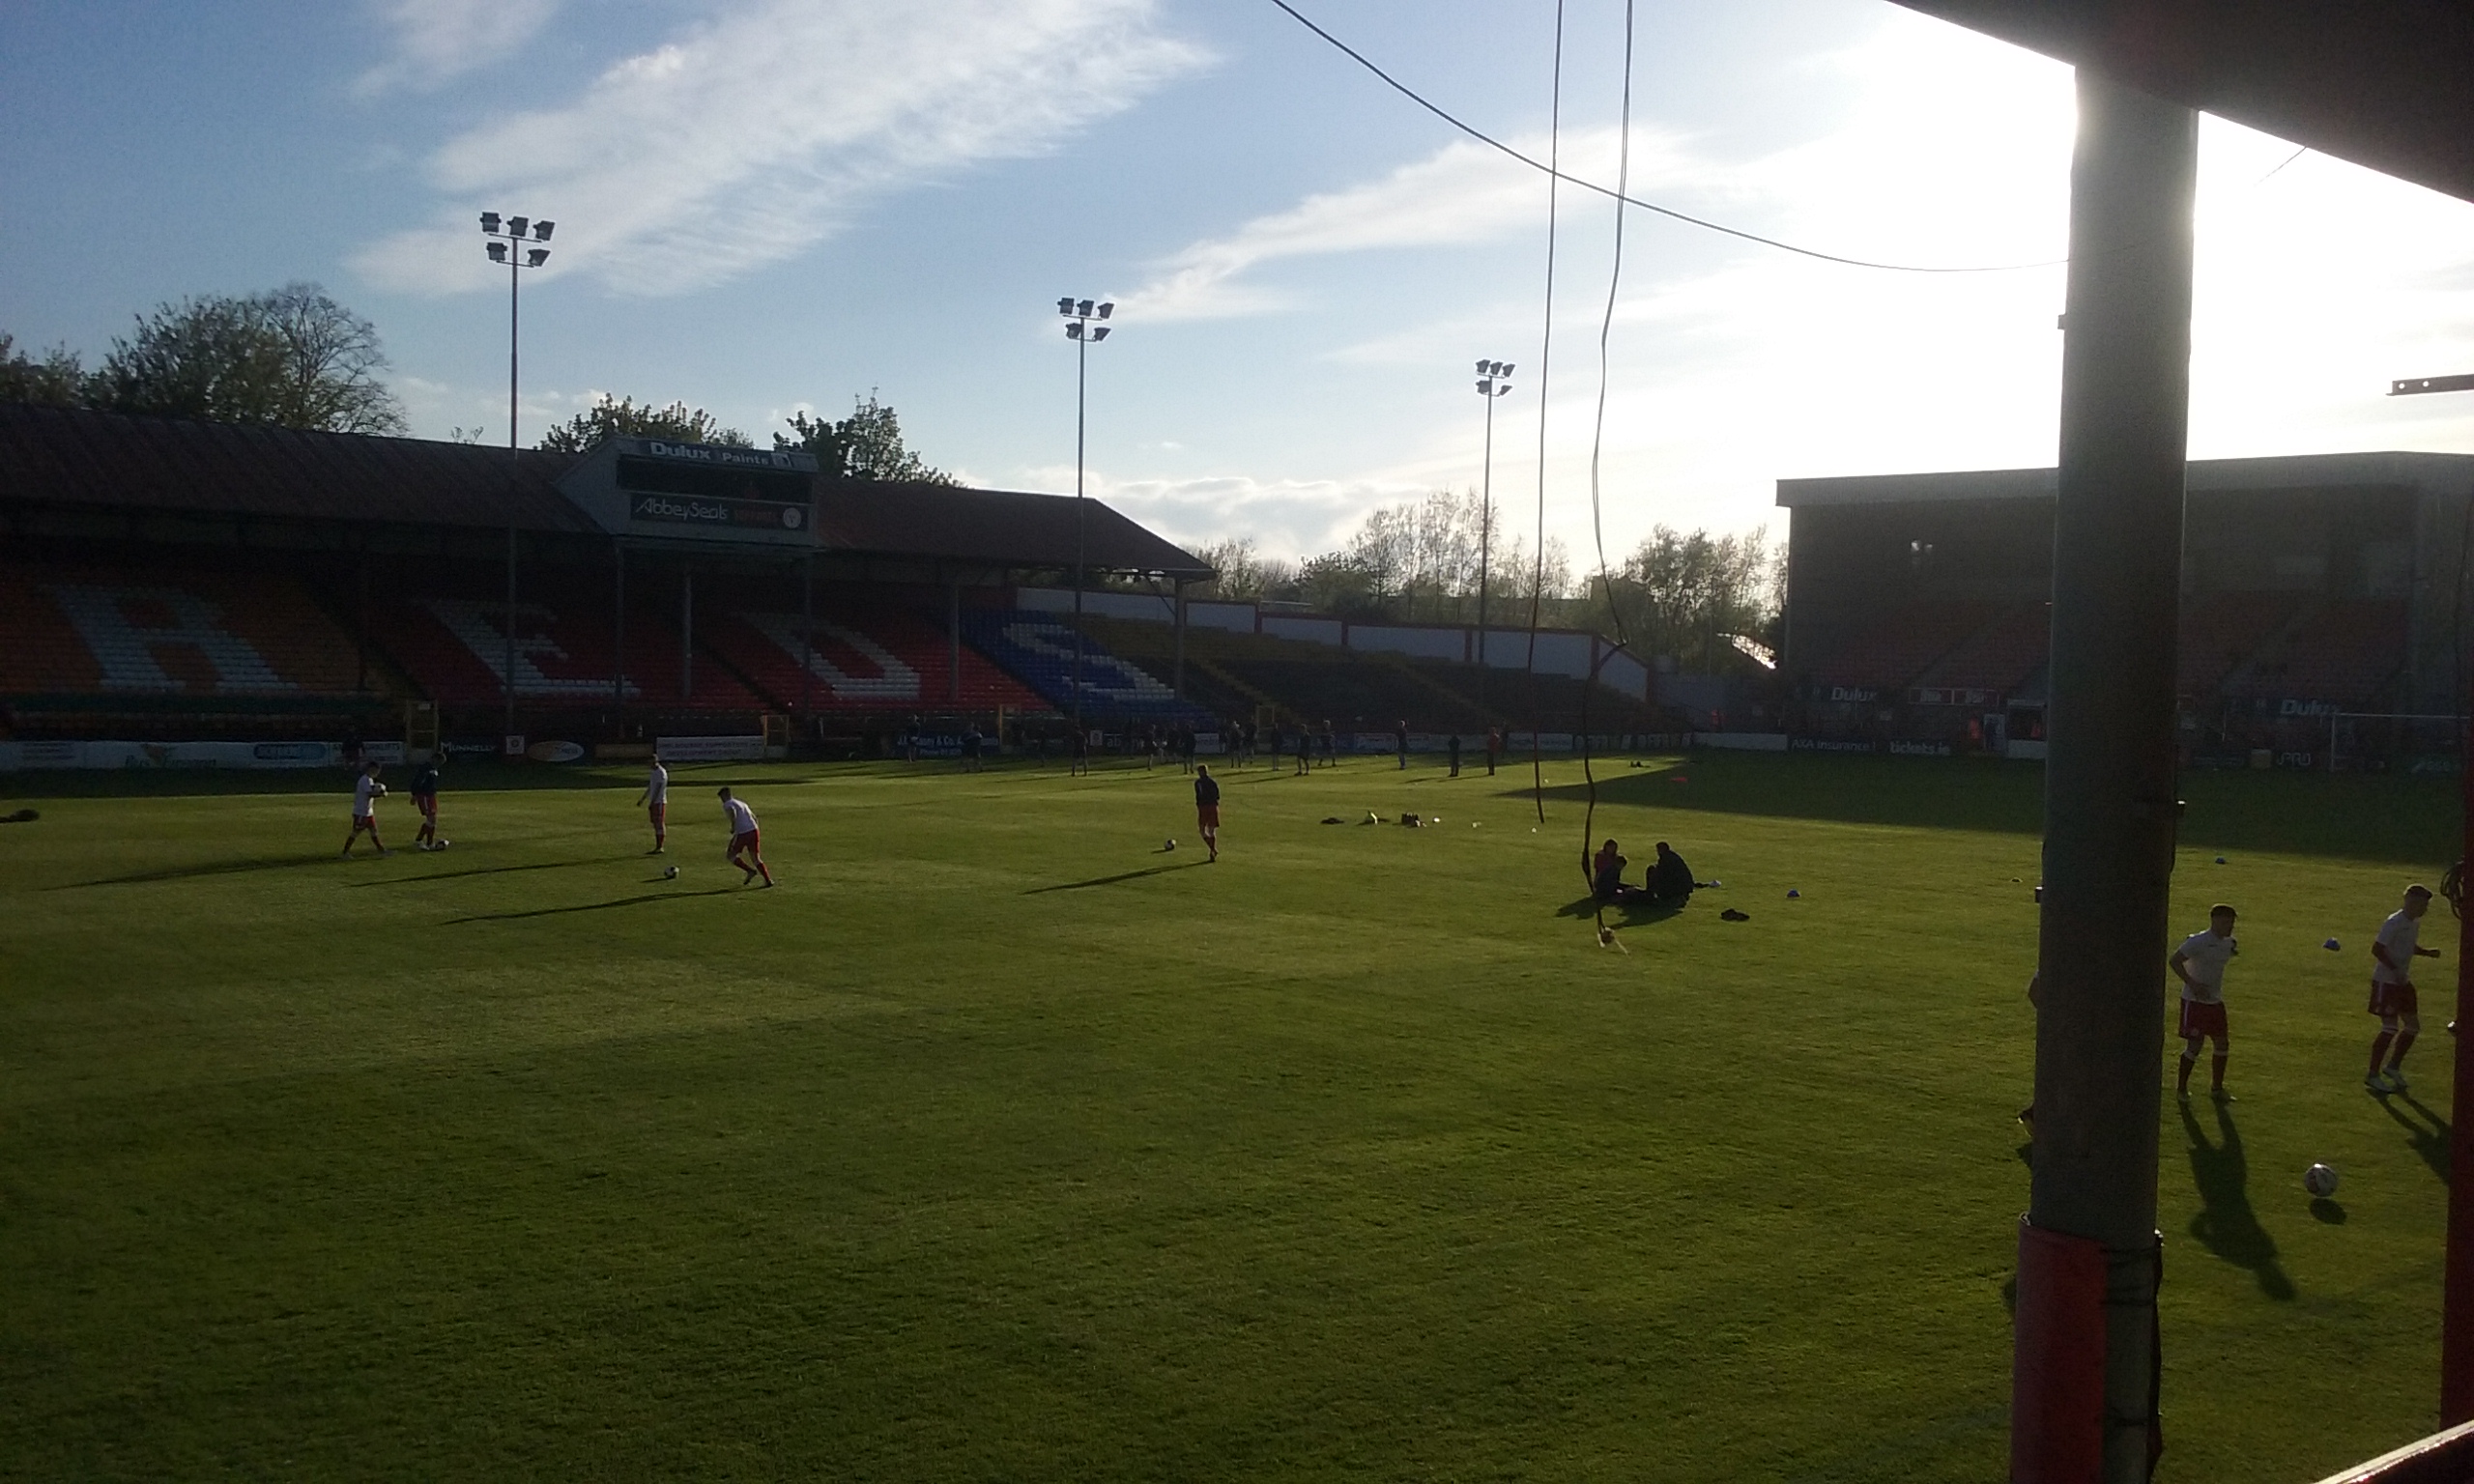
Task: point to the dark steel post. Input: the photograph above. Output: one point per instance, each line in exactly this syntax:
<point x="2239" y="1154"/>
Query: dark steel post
<point x="514" y="464"/>
<point x="1082" y="382"/>
<point x="2457" y="1313"/>
<point x="687" y="635"/>
<point x="806" y="636"/>
<point x="618" y="631"/>
<point x="2110" y="774"/>
<point x="1177" y="675"/>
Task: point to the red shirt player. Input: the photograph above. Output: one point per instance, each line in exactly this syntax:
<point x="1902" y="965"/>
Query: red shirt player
<point x="2392" y="990"/>
<point x="744" y="841"/>
<point x="366" y="791"/>
<point x="2200" y="964"/>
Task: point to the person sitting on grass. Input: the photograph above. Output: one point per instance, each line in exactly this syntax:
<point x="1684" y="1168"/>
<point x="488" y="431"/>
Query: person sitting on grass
<point x="1606" y="876"/>
<point x="1670" y="882"/>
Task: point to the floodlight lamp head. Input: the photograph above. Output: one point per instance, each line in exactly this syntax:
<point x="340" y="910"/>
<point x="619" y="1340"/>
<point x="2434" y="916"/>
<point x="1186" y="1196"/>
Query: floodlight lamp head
<point x="1065" y="307"/>
<point x="1100" y="332"/>
<point x="1074" y="331"/>
<point x="1504" y="369"/>
<point x="541" y="230"/>
<point x="1104" y="310"/>
<point x="489" y="221"/>
<point x="498" y="252"/>
<point x="1485" y="367"/>
<point x="1083" y="307"/>
<point x="536" y="257"/>
<point x="517" y="226"/>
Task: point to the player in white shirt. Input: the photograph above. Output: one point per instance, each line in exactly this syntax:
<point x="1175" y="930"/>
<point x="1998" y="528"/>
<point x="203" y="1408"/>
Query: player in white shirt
<point x="366" y="791"/>
<point x="2392" y="990"/>
<point x="2200" y="964"/>
<point x="654" y="801"/>
<point x="744" y="841"/>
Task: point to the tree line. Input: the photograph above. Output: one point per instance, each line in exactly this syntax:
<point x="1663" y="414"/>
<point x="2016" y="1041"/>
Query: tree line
<point x="1709" y="600"/>
<point x="294" y="357"/>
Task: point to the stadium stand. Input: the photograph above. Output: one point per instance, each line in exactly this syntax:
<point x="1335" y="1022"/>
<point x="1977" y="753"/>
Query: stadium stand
<point x="872" y="654"/>
<point x="2224" y="630"/>
<point x="1039" y="650"/>
<point x="1905" y="642"/>
<point x="2344" y="653"/>
<point x="447" y="636"/>
<point x="1998" y="655"/>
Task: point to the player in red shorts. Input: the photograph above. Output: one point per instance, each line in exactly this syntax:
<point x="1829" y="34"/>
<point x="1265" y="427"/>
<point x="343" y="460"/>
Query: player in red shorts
<point x="2200" y="964"/>
<point x="2392" y="990"/>
<point x="366" y="791"/>
<point x="425" y="801"/>
<point x="744" y="841"/>
<point x="1207" y="807"/>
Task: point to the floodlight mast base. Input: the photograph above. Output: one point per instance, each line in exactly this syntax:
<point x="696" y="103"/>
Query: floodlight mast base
<point x="2110" y="777"/>
<point x="2456" y="1307"/>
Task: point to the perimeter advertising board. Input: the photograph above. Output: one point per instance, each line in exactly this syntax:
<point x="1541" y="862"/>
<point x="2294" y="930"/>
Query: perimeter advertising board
<point x="698" y="491"/>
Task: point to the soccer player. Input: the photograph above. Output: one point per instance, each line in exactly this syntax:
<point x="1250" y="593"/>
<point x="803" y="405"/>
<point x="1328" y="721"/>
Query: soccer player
<point x="366" y="791"/>
<point x="1207" y="807"/>
<point x="1400" y="736"/>
<point x="425" y="799"/>
<point x="1454" y="748"/>
<point x="654" y="801"/>
<point x="744" y="841"/>
<point x="2200" y="964"/>
<point x="1305" y="748"/>
<point x="2392" y="990"/>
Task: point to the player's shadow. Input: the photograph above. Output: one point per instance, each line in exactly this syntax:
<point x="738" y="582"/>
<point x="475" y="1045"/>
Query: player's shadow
<point x="2427" y="1130"/>
<point x="203" y="869"/>
<point x="2225" y="1224"/>
<point x="1123" y="875"/>
<point x="492" y="870"/>
<point x="1622" y="914"/>
<point x="593" y="906"/>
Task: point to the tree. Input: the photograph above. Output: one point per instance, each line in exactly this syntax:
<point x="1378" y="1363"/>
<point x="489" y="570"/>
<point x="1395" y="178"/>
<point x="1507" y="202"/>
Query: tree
<point x="867" y="445"/>
<point x="57" y="380"/>
<point x="623" y="417"/>
<point x="292" y="357"/>
<point x="1685" y="595"/>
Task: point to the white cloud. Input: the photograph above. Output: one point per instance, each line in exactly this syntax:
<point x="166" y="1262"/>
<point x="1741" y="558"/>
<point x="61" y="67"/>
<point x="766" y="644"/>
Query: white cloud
<point x="747" y="139"/>
<point x="1465" y="192"/>
<point x="437" y="41"/>
<point x="1285" y="516"/>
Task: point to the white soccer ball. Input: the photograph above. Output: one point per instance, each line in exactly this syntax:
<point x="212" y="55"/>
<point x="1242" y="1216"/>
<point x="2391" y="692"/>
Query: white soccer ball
<point x="2320" y="1181"/>
<point x="1170" y="845"/>
<point x="672" y="874"/>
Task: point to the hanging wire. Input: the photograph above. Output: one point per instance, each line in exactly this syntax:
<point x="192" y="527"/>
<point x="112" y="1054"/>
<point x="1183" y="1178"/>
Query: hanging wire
<point x="1551" y="165"/>
<point x="1597" y="446"/>
<point x="1545" y="352"/>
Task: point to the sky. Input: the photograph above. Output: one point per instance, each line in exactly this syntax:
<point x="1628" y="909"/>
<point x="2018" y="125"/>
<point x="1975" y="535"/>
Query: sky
<point x="770" y="205"/>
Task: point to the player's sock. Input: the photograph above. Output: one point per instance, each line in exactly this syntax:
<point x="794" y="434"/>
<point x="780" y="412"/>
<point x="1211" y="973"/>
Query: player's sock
<point x="2182" y="1075"/>
<point x="2379" y="1050"/>
<point x="765" y="870"/>
<point x="2405" y="1044"/>
<point x="2216" y="1074"/>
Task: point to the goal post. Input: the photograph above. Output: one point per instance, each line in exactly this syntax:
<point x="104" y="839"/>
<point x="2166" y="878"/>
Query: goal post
<point x="2447" y="731"/>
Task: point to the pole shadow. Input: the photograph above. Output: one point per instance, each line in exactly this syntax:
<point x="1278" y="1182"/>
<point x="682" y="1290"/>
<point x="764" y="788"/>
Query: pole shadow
<point x="1123" y="875"/>
<point x="205" y="868"/>
<point x="594" y="906"/>
<point x="1622" y="914"/>
<point x="2225" y="1224"/>
<point x="491" y="870"/>
<point x="2427" y="1130"/>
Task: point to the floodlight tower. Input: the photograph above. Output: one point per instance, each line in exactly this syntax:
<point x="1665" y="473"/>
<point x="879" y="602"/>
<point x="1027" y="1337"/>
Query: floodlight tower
<point x="513" y="240"/>
<point x="1078" y="314"/>
<point x="1494" y="380"/>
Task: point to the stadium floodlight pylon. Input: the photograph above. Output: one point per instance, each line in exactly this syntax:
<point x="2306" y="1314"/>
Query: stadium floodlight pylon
<point x="1079" y="328"/>
<point x="509" y="240"/>
<point x="1494" y="380"/>
<point x="2457" y="1305"/>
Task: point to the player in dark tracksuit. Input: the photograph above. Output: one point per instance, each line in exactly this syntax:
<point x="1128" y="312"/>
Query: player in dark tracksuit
<point x="1207" y="807"/>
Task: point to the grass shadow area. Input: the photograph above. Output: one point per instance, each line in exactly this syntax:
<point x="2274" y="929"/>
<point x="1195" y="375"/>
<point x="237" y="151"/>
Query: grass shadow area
<point x="1120" y="876"/>
<point x="2226" y="1225"/>
<point x="593" y="906"/>
<point x="2361" y="816"/>
<point x="233" y="867"/>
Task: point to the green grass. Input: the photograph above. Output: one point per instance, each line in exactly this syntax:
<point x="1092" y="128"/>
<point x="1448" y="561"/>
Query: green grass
<point x="995" y="1145"/>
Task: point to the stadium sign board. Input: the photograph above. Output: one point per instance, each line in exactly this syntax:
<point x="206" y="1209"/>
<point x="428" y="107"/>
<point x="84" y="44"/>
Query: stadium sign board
<point x="698" y="492"/>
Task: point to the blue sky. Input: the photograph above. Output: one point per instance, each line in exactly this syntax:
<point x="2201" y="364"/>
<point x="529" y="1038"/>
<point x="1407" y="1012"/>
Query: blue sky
<point x="764" y="204"/>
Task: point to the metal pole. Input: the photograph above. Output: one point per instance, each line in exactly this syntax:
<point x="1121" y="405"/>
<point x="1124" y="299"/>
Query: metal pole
<point x="2456" y="1311"/>
<point x="1485" y="542"/>
<point x="1177" y="675"/>
<point x="686" y="633"/>
<point x="807" y="634"/>
<point x="2086" y="1364"/>
<point x="514" y="460"/>
<point x="618" y="631"/>
<point x="954" y="639"/>
<point x="1081" y="364"/>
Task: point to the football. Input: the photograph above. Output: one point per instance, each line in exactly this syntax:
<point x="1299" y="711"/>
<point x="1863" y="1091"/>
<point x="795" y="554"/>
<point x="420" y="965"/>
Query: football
<point x="670" y="874"/>
<point x="2320" y="1181"/>
<point x="1170" y="845"/>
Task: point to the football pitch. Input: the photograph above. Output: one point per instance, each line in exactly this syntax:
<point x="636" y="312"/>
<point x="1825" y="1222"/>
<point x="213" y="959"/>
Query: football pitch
<point x="1000" y="1143"/>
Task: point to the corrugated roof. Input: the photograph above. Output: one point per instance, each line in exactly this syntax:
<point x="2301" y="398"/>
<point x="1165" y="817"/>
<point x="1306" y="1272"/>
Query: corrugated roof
<point x="996" y="527"/>
<point x="72" y="456"/>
